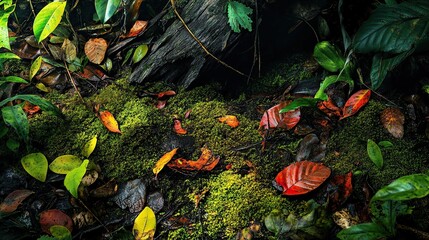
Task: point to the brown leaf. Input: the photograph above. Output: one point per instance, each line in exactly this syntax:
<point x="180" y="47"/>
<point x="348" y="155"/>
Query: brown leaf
<point x="69" y="50"/>
<point x="12" y="201"/>
<point x="329" y="108"/>
<point x="178" y="127"/>
<point x="30" y="109"/>
<point x="138" y="27"/>
<point x="53" y="217"/>
<point x="109" y="121"/>
<point x="393" y="120"/>
<point x="206" y="162"/>
<point x="95" y="49"/>
<point x="92" y="73"/>
<point x="163" y="160"/>
<point x="230" y="120"/>
<point x="356" y="102"/>
<point x="340" y="188"/>
<point x="107" y="190"/>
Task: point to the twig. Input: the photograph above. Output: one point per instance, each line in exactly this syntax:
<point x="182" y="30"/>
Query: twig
<point x="376" y="93"/>
<point x="314" y="31"/>
<point x="200" y="43"/>
<point x="255" y="44"/>
<point x="418" y="233"/>
<point x="73" y="83"/>
<point x="96" y="218"/>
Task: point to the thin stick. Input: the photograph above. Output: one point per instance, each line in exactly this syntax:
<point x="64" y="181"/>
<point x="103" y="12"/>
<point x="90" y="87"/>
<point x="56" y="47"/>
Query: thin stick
<point x="255" y="43"/>
<point x="200" y="43"/>
<point x="73" y="83"/>
<point x="96" y="218"/>
<point x="376" y="93"/>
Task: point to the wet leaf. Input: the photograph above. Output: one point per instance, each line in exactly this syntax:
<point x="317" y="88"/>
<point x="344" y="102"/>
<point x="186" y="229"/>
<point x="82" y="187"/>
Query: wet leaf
<point x="107" y="190"/>
<point x="230" y="120"/>
<point x="138" y="27"/>
<point x="404" y="188"/>
<point x="89" y="147"/>
<point x="42" y="87"/>
<point x="374" y="153"/>
<point x="363" y="231"/>
<point x="36" y="165"/>
<point x="145" y="225"/>
<point x="140" y="53"/>
<point x="60" y="232"/>
<point x="12" y="201"/>
<point x="53" y="217"/>
<point x="163" y="160"/>
<point x="109" y="121"/>
<point x="273" y="119"/>
<point x="70" y="50"/>
<point x="106" y="8"/>
<point x="356" y="102"/>
<point x="95" y="49"/>
<point x="310" y="148"/>
<point x="73" y="178"/>
<point x="132" y="195"/>
<point x="35" y="66"/>
<point x="206" y="162"/>
<point x="64" y="164"/>
<point x="178" y="127"/>
<point x="302" y="177"/>
<point x="393" y="120"/>
<point x="48" y="19"/>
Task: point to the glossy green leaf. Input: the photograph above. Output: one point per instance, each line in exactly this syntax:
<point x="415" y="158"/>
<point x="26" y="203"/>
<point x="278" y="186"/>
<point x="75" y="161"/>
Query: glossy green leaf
<point x="364" y="231"/>
<point x="145" y="224"/>
<point x="73" y="178"/>
<point x="64" y="164"/>
<point x="60" y="232"/>
<point x="128" y="56"/>
<point x="106" y="8"/>
<point x="328" y="81"/>
<point x="5" y="12"/>
<point x="328" y="56"/>
<point x="300" y="102"/>
<point x="12" y="144"/>
<point x="48" y="19"/>
<point x="139" y="53"/>
<point x="15" y="117"/>
<point x="11" y="79"/>
<point x="426" y="88"/>
<point x="89" y="147"/>
<point x="238" y="16"/>
<point x="8" y="55"/>
<point x="35" y="66"/>
<point x="385" y="144"/>
<point x="405" y="188"/>
<point x="374" y="153"/>
<point x="36" y="165"/>
<point x="35" y="100"/>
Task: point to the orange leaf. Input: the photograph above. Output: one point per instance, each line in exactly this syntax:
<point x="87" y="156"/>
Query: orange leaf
<point x="302" y="177"/>
<point x="109" y="121"/>
<point x="329" y="108"/>
<point x="393" y="120"/>
<point x="138" y="27"/>
<point x="12" y="201"/>
<point x="356" y="102"/>
<point x="30" y="109"/>
<point x="206" y="162"/>
<point x="168" y="93"/>
<point x="95" y="49"/>
<point x="161" y="104"/>
<point x="53" y="217"/>
<point x="163" y="160"/>
<point x="230" y="120"/>
<point x="178" y="127"/>
<point x="92" y="73"/>
<point x="273" y="119"/>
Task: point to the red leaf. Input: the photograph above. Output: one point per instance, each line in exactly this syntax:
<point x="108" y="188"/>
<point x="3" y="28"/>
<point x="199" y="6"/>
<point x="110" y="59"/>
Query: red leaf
<point x="273" y="119"/>
<point x="12" y="201"/>
<point x="161" y="104"/>
<point x="53" y="217"/>
<point x="178" y="127"/>
<point x="302" y="177"/>
<point x="329" y="108"/>
<point x="92" y="73"/>
<point x="206" y="162"/>
<point x="356" y="102"/>
<point x="188" y="113"/>
<point x="393" y="120"/>
<point x="342" y="189"/>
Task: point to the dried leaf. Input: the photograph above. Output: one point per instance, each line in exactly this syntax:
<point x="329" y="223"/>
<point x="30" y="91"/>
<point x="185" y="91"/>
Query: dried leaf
<point x="230" y="120"/>
<point x="89" y="147"/>
<point x="329" y="108"/>
<point x="206" y="162"/>
<point x="70" y="50"/>
<point x="344" y="219"/>
<point x="109" y="121"/>
<point x="178" y="127"/>
<point x="161" y="104"/>
<point x="30" y="109"/>
<point x="12" y="201"/>
<point x="132" y="195"/>
<point x="95" y="49"/>
<point x="340" y="188"/>
<point x="53" y="217"/>
<point x="163" y="160"/>
<point x="356" y="102"/>
<point x="145" y="225"/>
<point x="138" y="27"/>
<point x="302" y="177"/>
<point x="273" y="119"/>
<point x="64" y="164"/>
<point x="92" y="73"/>
<point x="393" y="120"/>
<point x="107" y="190"/>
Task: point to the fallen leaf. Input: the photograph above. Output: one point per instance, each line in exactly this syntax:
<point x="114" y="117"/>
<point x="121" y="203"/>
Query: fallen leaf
<point x="356" y="102"/>
<point x="13" y="199"/>
<point x="53" y="217"/>
<point x="161" y="104"/>
<point x="60" y="232"/>
<point x="163" y="97"/>
<point x="344" y="218"/>
<point x="83" y="219"/>
<point x="393" y="120"/>
<point x="329" y="108"/>
<point x="91" y="73"/>
<point x="168" y="93"/>
<point x="30" y="109"/>
<point x="89" y="147"/>
<point x="273" y="119"/>
<point x="42" y="87"/>
<point x="36" y="165"/>
<point x="163" y="160"/>
<point x="340" y="188"/>
<point x="178" y="127"/>
<point x="144" y="225"/>
<point x="107" y="190"/>
<point x="132" y="195"/>
<point x="206" y="162"/>
<point x="89" y="178"/>
<point x="35" y="66"/>
<point x="109" y="121"/>
<point x="140" y="53"/>
<point x="70" y="50"/>
<point x="230" y="120"/>
<point x="74" y="177"/>
<point x="64" y="164"/>
<point x="374" y="153"/>
<point x="302" y="177"/>
<point x="188" y="114"/>
<point x="138" y="27"/>
<point x="95" y="49"/>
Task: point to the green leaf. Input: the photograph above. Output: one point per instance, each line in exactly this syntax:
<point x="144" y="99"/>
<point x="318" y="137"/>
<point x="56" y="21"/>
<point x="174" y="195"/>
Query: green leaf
<point x="3" y="129"/>
<point x="328" y="56"/>
<point x="60" y="232"/>
<point x="73" y="178"/>
<point x="15" y="117"/>
<point x="36" y="165"/>
<point x="426" y="88"/>
<point x="8" y="55"/>
<point x="300" y="102"/>
<point x="276" y="223"/>
<point x="12" y="144"/>
<point x="364" y="231"/>
<point x="404" y="188"/>
<point x="394" y="28"/>
<point x="238" y="16"/>
<point x="106" y="8"/>
<point x="36" y="100"/>
<point x="42" y="87"/>
<point x="374" y="153"/>
<point x="385" y="214"/>
<point x="145" y="224"/>
<point x="140" y="52"/>
<point x="35" y="66"/>
<point x="328" y="81"/>
<point x="127" y="56"/>
<point x="4" y="31"/>
<point x="11" y="79"/>
<point x="89" y="147"/>
<point x="385" y="144"/>
<point x="48" y="19"/>
<point x="64" y="164"/>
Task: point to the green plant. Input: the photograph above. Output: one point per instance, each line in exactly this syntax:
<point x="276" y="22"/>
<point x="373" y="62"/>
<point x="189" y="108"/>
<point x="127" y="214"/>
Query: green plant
<point x="238" y="16"/>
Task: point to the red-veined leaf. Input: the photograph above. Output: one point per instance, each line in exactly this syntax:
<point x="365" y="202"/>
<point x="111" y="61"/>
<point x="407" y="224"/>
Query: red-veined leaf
<point x="53" y="217"/>
<point x="178" y="127"/>
<point x="12" y="201"/>
<point x="109" y="121"/>
<point x="302" y="177"/>
<point x="230" y="120"/>
<point x="393" y="120"/>
<point x="273" y="119"/>
<point x="356" y="102"/>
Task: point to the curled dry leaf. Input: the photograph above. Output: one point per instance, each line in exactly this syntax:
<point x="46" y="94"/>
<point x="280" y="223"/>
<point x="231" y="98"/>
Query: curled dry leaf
<point x="53" y="217"/>
<point x="393" y="120"/>
<point x="344" y="218"/>
<point x="12" y="201"/>
<point x="138" y="27"/>
<point x="30" y="109"/>
<point x="230" y="120"/>
<point x="163" y="160"/>
<point x="273" y="119"/>
<point x="132" y="195"/>
<point x="302" y="177"/>
<point x="163" y="97"/>
<point x="92" y="73"/>
<point x="206" y="162"/>
<point x="356" y="102"/>
<point x="83" y="219"/>
<point x="178" y="127"/>
<point x="95" y="49"/>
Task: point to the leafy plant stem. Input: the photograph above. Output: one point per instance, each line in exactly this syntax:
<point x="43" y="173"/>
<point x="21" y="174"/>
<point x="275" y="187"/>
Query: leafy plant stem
<point x="359" y="71"/>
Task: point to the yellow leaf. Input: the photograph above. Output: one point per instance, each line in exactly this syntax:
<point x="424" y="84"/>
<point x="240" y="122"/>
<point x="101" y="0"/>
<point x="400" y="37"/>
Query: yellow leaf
<point x="109" y="121"/>
<point x="42" y="87"/>
<point x="230" y="120"/>
<point x="163" y="160"/>
<point x="145" y="225"/>
<point x="35" y="66"/>
<point x="89" y="147"/>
